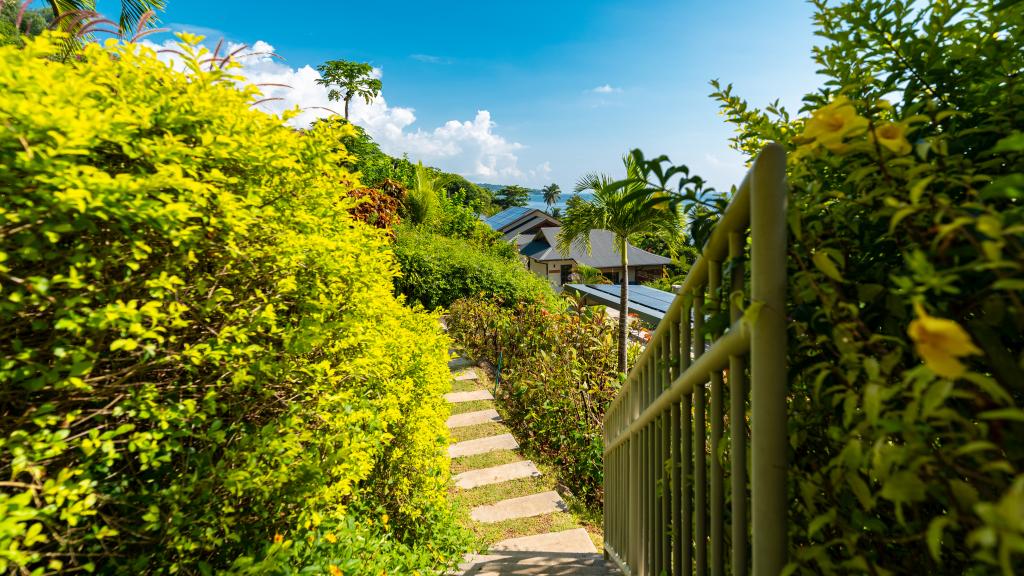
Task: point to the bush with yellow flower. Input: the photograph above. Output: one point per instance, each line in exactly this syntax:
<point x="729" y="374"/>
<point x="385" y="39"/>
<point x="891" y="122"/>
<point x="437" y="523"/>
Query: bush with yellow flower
<point x="906" y="219"/>
<point x="202" y="359"/>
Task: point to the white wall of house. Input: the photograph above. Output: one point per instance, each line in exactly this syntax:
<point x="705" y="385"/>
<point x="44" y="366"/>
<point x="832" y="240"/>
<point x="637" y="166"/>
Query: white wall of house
<point x="551" y="270"/>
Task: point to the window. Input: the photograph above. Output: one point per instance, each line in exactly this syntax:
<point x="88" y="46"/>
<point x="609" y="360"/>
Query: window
<point x="566" y="273"/>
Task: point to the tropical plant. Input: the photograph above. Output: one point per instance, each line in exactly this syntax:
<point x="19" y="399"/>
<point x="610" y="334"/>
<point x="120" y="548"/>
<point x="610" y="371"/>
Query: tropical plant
<point x="589" y="275"/>
<point x="556" y="213"/>
<point x="626" y="208"/>
<point x="132" y="11"/>
<point x="347" y="80"/>
<point x="422" y="203"/>
<point x="512" y="195"/>
<point x="551" y="194"/>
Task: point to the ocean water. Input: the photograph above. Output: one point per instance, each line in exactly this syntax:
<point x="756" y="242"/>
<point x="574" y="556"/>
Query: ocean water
<point x="537" y="200"/>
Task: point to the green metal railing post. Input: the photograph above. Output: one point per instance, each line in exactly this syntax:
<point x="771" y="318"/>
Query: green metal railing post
<point x="737" y="418"/>
<point x="768" y="361"/>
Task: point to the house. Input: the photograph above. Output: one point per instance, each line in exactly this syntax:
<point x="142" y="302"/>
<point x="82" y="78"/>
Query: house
<point x="519" y="224"/>
<point x="535" y="234"/>
<point x="544" y="258"/>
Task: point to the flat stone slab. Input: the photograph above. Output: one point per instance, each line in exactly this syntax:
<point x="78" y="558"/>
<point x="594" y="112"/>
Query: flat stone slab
<point x="522" y="507"/>
<point x="472" y="395"/>
<point x="459" y="363"/>
<point x="570" y="552"/>
<point x="474" y="418"/>
<point x="574" y="541"/>
<point x="482" y="445"/>
<point x="496" y="474"/>
<point x="468" y="374"/>
<point x="508" y="568"/>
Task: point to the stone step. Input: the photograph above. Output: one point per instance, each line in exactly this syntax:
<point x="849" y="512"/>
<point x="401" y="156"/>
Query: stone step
<point x="459" y="363"/>
<point x="562" y="569"/>
<point x="474" y="418"/>
<point x="482" y="445"/>
<point x="570" y="552"/>
<point x="456" y="397"/>
<point x="522" y="507"/>
<point x="496" y="474"/>
<point x="575" y="541"/>
<point x="467" y="374"/>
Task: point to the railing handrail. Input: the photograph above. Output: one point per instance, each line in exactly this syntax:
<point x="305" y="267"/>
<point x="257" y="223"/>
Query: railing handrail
<point x="654" y="440"/>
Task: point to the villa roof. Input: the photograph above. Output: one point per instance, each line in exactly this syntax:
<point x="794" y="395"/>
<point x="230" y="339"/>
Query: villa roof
<point x="519" y="219"/>
<point x="603" y="253"/>
<point x="650" y="304"/>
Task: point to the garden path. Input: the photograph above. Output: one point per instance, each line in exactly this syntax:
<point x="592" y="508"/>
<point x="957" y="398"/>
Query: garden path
<point x="524" y="524"/>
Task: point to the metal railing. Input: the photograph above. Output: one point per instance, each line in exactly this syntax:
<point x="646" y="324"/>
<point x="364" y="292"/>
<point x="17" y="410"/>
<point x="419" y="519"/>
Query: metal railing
<point x="666" y="454"/>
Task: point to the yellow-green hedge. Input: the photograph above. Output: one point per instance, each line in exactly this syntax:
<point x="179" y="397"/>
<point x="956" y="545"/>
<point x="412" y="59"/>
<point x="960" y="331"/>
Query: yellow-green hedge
<point x="203" y="366"/>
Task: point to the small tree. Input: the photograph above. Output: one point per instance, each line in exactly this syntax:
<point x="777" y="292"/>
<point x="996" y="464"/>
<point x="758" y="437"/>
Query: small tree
<point x="627" y="209"/>
<point x="347" y="80"/>
<point x="512" y="195"/>
<point x="551" y="194"/>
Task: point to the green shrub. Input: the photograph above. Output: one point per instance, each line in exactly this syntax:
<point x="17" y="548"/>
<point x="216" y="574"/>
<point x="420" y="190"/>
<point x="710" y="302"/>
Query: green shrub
<point x="906" y="275"/>
<point x="436" y="271"/>
<point x="203" y="366"/>
<point x="558" y="374"/>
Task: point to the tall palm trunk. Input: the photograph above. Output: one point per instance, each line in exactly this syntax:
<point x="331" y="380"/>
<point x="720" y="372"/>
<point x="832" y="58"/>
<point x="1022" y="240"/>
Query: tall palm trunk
<point x="623" y="308"/>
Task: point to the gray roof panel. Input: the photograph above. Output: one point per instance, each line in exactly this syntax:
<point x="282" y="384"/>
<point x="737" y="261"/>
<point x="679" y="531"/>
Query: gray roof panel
<point x="603" y="253"/>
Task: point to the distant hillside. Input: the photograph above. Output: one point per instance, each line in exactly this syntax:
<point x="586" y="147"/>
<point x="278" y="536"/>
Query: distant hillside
<point x="496" y="187"/>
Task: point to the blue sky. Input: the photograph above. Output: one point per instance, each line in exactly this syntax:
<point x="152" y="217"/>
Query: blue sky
<point x="567" y="87"/>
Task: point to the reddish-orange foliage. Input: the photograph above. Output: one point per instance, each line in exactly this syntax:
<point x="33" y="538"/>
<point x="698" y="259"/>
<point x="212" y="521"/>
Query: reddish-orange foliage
<point x="377" y="208"/>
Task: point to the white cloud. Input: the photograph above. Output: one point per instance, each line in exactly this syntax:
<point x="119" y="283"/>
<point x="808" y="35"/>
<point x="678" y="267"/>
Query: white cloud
<point x="429" y="59"/>
<point x="468" y="147"/>
<point x="605" y="89"/>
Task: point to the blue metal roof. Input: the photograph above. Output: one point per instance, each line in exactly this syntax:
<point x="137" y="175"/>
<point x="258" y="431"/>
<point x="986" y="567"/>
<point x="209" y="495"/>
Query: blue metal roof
<point x="650" y="304"/>
<point x="507" y="216"/>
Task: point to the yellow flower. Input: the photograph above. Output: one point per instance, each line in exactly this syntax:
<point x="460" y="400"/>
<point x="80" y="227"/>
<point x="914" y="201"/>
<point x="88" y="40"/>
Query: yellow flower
<point x="384" y="519"/>
<point x="940" y="342"/>
<point x="278" y="538"/>
<point x="830" y="124"/>
<point x="893" y="136"/>
<point x="334" y="570"/>
<point x="330" y="537"/>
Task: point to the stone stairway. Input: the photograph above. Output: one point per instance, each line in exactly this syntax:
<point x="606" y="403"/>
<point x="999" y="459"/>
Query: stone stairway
<point x="565" y="552"/>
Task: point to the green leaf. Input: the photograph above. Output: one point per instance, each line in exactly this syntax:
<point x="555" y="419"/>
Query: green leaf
<point x="904" y="486"/>
<point x="825" y="264"/>
<point x="1012" y="143"/>
<point x="872" y="402"/>
<point x="1004" y="414"/>
<point x="1008" y="187"/>
<point x="821" y="521"/>
<point x="1011" y="284"/>
<point x="935" y="528"/>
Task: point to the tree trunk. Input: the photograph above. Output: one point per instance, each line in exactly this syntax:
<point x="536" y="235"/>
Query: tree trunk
<point x="624" y="309"/>
<point x="347" y="100"/>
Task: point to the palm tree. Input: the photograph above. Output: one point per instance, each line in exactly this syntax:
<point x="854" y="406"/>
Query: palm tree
<point x="132" y="11"/>
<point x="626" y="208"/>
<point x="551" y="194"/>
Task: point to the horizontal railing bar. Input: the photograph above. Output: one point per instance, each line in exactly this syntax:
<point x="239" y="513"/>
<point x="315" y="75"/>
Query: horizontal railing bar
<point x="736" y="217"/>
<point x="733" y="343"/>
